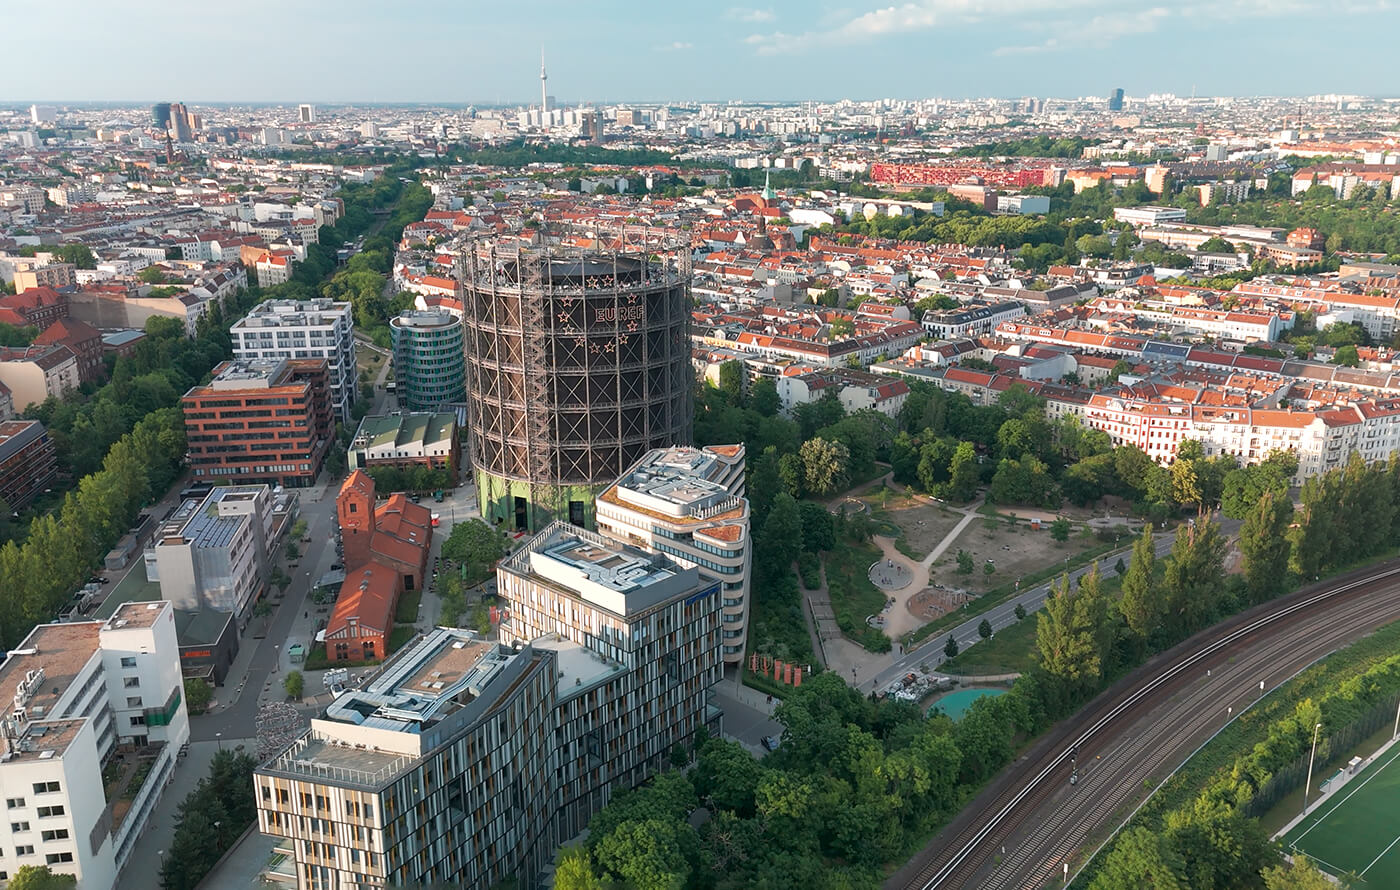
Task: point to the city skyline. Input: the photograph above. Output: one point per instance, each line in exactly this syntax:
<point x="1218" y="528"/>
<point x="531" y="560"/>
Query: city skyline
<point x="778" y="51"/>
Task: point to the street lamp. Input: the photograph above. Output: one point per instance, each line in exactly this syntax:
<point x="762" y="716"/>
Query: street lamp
<point x="219" y="737"/>
<point x="1397" y="721"/>
<point x="1308" y="787"/>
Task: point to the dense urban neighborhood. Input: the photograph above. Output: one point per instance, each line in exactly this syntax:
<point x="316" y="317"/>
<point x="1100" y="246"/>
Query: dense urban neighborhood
<point x="936" y="493"/>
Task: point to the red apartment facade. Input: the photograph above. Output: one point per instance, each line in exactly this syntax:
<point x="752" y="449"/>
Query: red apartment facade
<point x="261" y="422"/>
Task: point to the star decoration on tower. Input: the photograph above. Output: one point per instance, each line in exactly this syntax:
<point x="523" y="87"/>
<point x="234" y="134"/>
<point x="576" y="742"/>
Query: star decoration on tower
<point x="563" y="318"/>
<point x="632" y="327"/>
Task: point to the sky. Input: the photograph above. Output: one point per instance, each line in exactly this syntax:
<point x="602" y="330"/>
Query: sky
<point x="472" y="51"/>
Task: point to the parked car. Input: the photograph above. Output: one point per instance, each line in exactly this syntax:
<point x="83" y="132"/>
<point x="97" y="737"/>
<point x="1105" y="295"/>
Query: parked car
<point x="335" y="566"/>
<point x="771" y="742"/>
<point x="97" y="579"/>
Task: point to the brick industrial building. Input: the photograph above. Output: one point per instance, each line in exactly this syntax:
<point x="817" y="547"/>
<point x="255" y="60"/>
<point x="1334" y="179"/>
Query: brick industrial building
<point x="267" y="422"/>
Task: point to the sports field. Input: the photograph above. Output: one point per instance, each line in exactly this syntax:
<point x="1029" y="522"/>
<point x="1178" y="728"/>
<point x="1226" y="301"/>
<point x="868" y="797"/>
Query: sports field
<point x="1357" y="830"/>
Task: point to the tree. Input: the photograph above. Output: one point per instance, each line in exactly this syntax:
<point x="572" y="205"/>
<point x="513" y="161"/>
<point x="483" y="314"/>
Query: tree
<point x="964" y="563"/>
<point x="818" y="529"/>
<point x="1059" y="529"/>
<point x="647" y="854"/>
<point x="963" y="470"/>
<point x="79" y="255"/>
<point x="575" y="871"/>
<point x="1348" y="356"/>
<point x="1264" y="545"/>
<point x="1299" y="874"/>
<point x="1139" y="859"/>
<point x="1020" y="612"/>
<point x="198" y="694"/>
<point x="731" y="381"/>
<point x="791" y="473"/>
<point x="1070" y="633"/>
<point x="780" y="540"/>
<point x="984" y="630"/>
<point x="151" y="275"/>
<point x="1140" y="604"/>
<point x="825" y="465"/>
<point x="763" y="397"/>
<point x="38" y="877"/>
<point x="1192" y="576"/>
<point x="950" y="648"/>
<point x="474" y="543"/>
<point x="293" y="684"/>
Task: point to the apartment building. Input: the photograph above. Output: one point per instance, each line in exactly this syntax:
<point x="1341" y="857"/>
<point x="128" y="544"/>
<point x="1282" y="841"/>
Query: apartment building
<point x="468" y="761"/>
<point x="325" y="329"/>
<point x="440" y="769"/>
<point x="54" y="275"/>
<point x="261" y="422"/>
<point x="404" y="441"/>
<point x="82" y="339"/>
<point x="971" y="321"/>
<point x="658" y="620"/>
<point x="37" y="306"/>
<point x="87" y="694"/>
<point x="689" y="504"/>
<point x="856" y="390"/>
<point x="215" y="552"/>
<point x="28" y="461"/>
<point x="34" y="373"/>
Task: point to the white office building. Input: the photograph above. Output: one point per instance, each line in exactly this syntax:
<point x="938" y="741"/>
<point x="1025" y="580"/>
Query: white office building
<point x="88" y="695"/>
<point x="324" y="329"/>
<point x="689" y="504"/>
<point x="213" y="553"/>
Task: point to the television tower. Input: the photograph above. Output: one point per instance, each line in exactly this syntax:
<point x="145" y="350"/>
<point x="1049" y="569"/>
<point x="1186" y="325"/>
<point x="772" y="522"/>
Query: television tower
<point x="544" y="90"/>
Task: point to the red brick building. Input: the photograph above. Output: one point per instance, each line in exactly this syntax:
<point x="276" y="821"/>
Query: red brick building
<point x="396" y="533"/>
<point x="261" y="422"/>
<point x="386" y="552"/>
<point x="37" y="306"/>
<point x="363" y="618"/>
<point x="82" y="339"/>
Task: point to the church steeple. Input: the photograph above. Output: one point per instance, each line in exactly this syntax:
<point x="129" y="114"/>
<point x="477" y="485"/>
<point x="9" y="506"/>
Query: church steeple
<point x="767" y="194"/>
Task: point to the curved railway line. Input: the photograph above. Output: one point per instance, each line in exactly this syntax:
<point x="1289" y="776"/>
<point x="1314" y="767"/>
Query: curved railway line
<point x="1152" y="719"/>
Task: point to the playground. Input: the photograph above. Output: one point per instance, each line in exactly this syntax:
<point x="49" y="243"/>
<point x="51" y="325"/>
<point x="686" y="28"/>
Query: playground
<point x="1010" y="549"/>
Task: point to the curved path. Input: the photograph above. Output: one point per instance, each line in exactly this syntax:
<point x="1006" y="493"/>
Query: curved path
<point x="1137" y="731"/>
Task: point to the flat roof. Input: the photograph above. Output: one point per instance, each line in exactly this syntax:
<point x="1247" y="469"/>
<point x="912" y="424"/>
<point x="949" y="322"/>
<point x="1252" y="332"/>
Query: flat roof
<point x="435" y="677"/>
<point x="578" y="667"/>
<point x="43" y="740"/>
<point x="136" y="614"/>
<point x="46" y="663"/>
<point x="607" y="573"/>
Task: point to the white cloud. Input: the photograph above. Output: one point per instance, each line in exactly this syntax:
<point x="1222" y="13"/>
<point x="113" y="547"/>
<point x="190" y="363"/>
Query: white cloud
<point x="1101" y="30"/>
<point x="677" y="46"/>
<point x="753" y="16"/>
<point x="1115" y="20"/>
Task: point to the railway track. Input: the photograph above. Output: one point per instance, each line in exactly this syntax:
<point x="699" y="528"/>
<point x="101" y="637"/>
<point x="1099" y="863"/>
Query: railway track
<point x="1031" y="820"/>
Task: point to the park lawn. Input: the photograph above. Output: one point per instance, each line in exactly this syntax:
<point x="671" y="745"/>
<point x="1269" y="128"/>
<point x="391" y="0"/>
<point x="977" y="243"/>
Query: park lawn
<point x="922" y="524"/>
<point x="853" y="597"/>
<point x="1011" y="650"/>
<point x="407" y="610"/>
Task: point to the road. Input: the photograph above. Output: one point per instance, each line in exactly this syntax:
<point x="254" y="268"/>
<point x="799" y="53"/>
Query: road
<point x="930" y="652"/>
<point x="238" y="718"/>
<point x="1137" y="732"/>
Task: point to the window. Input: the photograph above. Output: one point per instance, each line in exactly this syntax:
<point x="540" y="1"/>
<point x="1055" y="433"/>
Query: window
<point x="14" y="803"/>
<point x="57" y="834"/>
<point x="19" y="826"/>
<point x="50" y="811"/>
<point x="131" y="682"/>
<point x="133" y="701"/>
<point x="129" y="661"/>
<point x="24" y="850"/>
<point x="138" y="720"/>
<point x="56" y="858"/>
<point x="354" y="508"/>
<point x="45" y="787"/>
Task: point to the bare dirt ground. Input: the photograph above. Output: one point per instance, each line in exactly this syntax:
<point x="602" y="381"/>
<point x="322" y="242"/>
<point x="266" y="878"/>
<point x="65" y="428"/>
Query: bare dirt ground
<point x="923" y="521"/>
<point x="1013" y="551"/>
